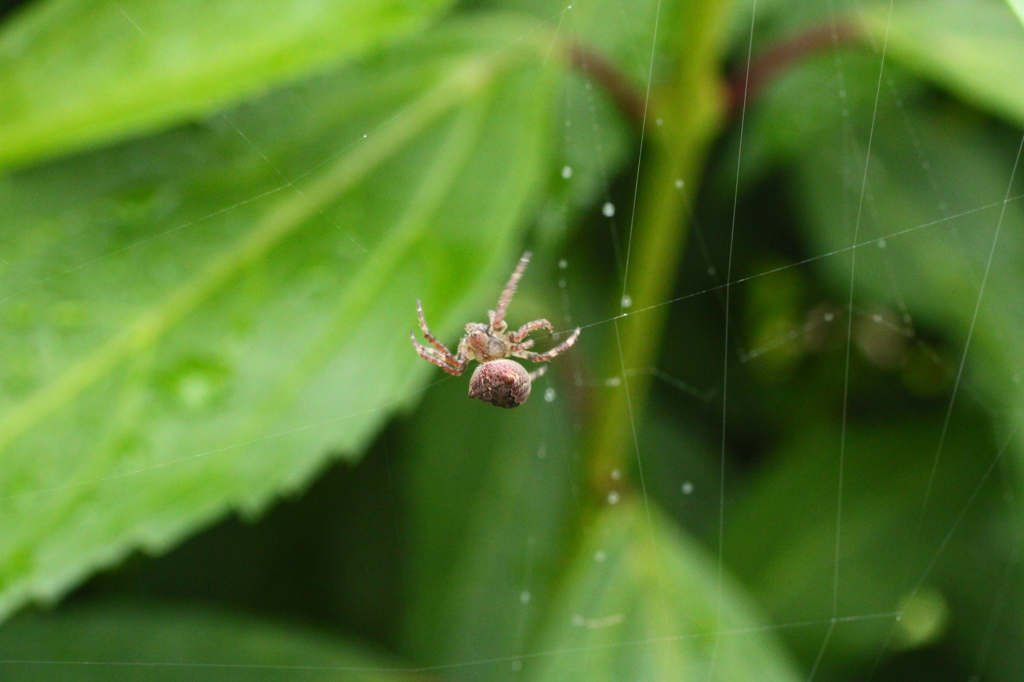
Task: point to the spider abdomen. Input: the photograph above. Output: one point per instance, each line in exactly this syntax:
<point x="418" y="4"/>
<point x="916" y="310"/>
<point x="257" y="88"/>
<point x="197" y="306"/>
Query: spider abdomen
<point x="502" y="383"/>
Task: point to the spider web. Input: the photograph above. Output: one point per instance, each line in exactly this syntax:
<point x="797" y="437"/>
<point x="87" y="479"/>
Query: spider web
<point x="684" y="405"/>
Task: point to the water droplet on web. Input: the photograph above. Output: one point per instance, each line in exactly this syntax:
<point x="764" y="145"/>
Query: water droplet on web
<point x="626" y="301"/>
<point x="687" y="488"/>
<point x="616" y="474"/>
<point x="829" y="317"/>
<point x="658" y="121"/>
<point x="578" y="620"/>
<point x="881" y="243"/>
<point x="561" y="284"/>
<point x="599" y="556"/>
<point x="517" y="665"/>
<point x="712" y="271"/>
<point x="549" y="395"/>
<point x="679" y="183"/>
<point x="524" y="597"/>
<point x="608" y="209"/>
<point x="614" y="381"/>
<point x="563" y="264"/>
<point x="566" y="172"/>
<point x="876" y="317"/>
<point x="365" y="136"/>
<point x="613" y="497"/>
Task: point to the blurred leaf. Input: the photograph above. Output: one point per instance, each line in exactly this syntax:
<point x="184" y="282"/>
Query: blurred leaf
<point x="934" y="200"/>
<point x="974" y="48"/>
<point x="161" y="643"/>
<point x="785" y="550"/>
<point x="77" y="73"/>
<point x="596" y="143"/>
<point x="492" y="498"/>
<point x="622" y="33"/>
<point x="640" y="601"/>
<point x="273" y="281"/>
<point x="1018" y="7"/>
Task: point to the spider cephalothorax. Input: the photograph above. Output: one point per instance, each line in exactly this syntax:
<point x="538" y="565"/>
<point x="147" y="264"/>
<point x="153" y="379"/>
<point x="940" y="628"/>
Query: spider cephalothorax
<point x="498" y="380"/>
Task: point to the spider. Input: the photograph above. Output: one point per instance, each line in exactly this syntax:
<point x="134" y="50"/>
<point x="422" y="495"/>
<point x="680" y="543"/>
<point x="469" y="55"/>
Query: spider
<point x="498" y="380"/>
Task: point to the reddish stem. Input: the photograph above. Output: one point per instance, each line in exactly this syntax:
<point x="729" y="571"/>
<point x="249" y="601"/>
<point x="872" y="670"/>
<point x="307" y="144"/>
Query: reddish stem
<point x="629" y="100"/>
<point x="769" y="65"/>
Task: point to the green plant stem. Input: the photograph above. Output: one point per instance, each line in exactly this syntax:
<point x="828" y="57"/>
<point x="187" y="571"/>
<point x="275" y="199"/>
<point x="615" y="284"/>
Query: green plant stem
<point x="693" y="110"/>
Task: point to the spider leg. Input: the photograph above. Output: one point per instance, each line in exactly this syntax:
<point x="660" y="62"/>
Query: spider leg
<point x="428" y="336"/>
<point x="557" y="350"/>
<point x="434" y="357"/>
<point x="517" y="336"/>
<point x="516" y="347"/>
<point x="510" y="290"/>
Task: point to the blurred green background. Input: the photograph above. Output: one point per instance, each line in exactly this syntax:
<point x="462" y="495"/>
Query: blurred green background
<point x="784" y="447"/>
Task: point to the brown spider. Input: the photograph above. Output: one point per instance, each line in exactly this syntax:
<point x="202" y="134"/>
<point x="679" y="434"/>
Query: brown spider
<point x="498" y="381"/>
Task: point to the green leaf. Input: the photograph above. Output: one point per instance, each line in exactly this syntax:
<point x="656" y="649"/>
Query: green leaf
<point x="935" y="192"/>
<point x="786" y="552"/>
<point x="273" y="279"/>
<point x="114" y="643"/>
<point x="78" y="73"/>
<point x="491" y="503"/>
<point x="1018" y="7"/>
<point x="620" y="33"/>
<point x="975" y="49"/>
<point x="640" y="601"/>
<point x="936" y="201"/>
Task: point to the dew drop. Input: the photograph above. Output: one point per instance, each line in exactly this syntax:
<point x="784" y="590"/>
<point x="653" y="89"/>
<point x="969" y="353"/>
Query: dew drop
<point x="563" y="264"/>
<point x="549" y="395"/>
<point x="881" y="243"/>
<point x="679" y="183"/>
<point x="542" y="451"/>
<point x="829" y="317"/>
<point x="197" y="383"/>
<point x="712" y="271"/>
<point x="627" y="301"/>
<point x="659" y="121"/>
<point x="566" y="172"/>
<point x="616" y="474"/>
<point x="613" y="497"/>
<point x="517" y="665"/>
<point x="614" y="381"/>
<point x="561" y="284"/>
<point x="599" y="556"/>
<point x="876" y="318"/>
<point x="687" y="488"/>
<point x="608" y="209"/>
<point x="524" y="597"/>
